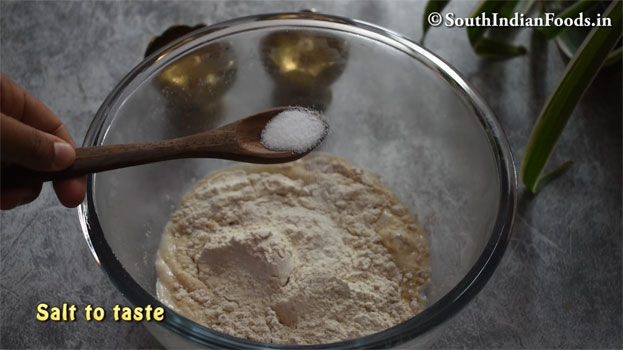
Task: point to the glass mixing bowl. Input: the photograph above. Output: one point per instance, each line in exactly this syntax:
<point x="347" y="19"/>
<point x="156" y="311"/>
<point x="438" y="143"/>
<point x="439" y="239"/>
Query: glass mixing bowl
<point x="395" y="110"/>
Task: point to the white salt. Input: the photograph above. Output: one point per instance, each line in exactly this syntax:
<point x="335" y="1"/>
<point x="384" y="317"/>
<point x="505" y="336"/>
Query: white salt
<point x="295" y="130"/>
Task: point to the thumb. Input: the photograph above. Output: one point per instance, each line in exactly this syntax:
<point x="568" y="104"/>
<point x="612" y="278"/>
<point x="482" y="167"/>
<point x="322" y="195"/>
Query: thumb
<point x="33" y="148"/>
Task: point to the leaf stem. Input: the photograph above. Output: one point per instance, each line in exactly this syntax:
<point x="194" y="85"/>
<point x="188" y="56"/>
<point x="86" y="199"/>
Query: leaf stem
<point x="580" y="72"/>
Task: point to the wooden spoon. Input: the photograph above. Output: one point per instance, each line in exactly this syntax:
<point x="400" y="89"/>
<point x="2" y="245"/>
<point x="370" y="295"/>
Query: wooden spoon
<point x="239" y="141"/>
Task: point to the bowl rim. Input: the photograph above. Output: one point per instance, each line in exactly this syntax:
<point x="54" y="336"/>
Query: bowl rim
<point x="437" y="313"/>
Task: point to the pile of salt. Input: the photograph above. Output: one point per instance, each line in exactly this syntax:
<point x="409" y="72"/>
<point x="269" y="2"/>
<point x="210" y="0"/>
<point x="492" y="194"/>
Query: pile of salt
<point x="296" y="130"/>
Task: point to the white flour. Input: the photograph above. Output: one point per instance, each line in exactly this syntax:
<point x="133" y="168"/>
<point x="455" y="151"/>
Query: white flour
<point x="309" y="252"/>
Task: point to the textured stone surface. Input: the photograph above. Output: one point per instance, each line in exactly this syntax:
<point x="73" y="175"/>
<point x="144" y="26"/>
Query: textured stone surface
<point x="558" y="286"/>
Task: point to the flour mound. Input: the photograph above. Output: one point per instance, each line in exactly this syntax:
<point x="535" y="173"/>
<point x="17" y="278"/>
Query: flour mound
<point x="309" y="252"/>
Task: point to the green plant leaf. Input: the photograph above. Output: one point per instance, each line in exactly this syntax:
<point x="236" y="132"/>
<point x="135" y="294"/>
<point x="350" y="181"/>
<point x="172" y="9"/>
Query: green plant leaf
<point x="489" y="47"/>
<point x="614" y="57"/>
<point x="525" y="6"/>
<point x="552" y="175"/>
<point x="431" y="6"/>
<point x="571" y="12"/>
<point x="578" y="75"/>
<point x="487" y="7"/>
<point x="496" y="49"/>
<point x="507" y="9"/>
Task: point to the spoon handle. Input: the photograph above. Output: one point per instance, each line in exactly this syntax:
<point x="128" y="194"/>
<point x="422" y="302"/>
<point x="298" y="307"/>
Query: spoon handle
<point x="237" y="141"/>
<point x="101" y="158"/>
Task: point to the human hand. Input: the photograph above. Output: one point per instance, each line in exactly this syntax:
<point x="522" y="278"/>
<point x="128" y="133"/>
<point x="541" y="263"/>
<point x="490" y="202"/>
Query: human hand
<point x="33" y="137"/>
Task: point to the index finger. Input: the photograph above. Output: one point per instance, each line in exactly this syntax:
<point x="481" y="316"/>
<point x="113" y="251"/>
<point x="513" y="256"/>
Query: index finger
<point x="19" y="104"/>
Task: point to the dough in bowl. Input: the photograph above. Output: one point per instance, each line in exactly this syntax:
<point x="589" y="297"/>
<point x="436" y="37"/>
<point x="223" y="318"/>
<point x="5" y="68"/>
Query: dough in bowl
<point x="309" y="252"/>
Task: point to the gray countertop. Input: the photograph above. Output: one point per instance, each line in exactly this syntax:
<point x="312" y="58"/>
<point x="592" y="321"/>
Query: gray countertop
<point x="558" y="285"/>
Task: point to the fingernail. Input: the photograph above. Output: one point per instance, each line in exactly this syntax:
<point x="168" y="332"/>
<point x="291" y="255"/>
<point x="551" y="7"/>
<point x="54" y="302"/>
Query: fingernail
<point x="64" y="155"/>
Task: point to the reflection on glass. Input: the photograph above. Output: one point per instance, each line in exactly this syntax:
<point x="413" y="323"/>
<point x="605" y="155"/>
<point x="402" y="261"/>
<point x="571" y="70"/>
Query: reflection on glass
<point x="318" y="99"/>
<point x="201" y="76"/>
<point x="168" y="36"/>
<point x="303" y="64"/>
<point x="195" y="84"/>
